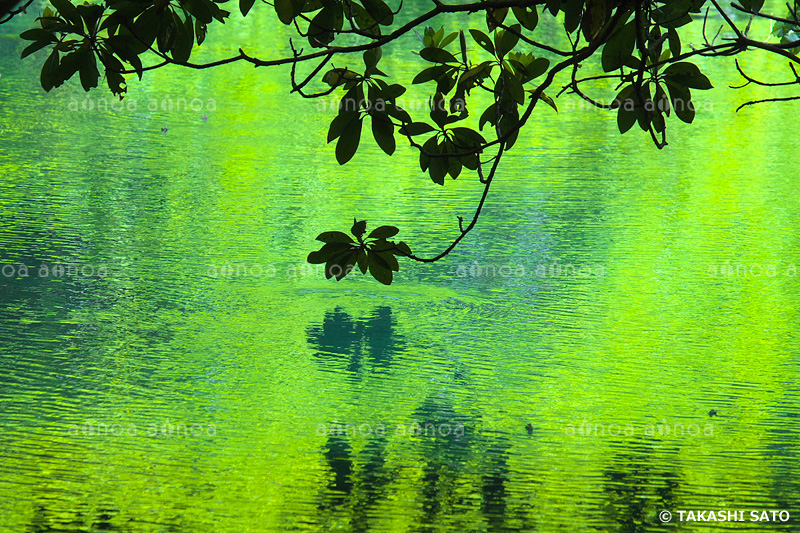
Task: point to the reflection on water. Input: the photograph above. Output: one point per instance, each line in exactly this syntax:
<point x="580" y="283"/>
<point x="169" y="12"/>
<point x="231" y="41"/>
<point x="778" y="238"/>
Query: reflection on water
<point x="636" y="489"/>
<point x="356" y="407"/>
<point x="352" y="494"/>
<point x="371" y="341"/>
<point x="457" y="475"/>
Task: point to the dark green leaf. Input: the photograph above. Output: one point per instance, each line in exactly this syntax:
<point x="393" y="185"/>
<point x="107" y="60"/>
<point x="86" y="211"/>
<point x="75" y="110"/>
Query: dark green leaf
<point x="200" y="33"/>
<point x="673" y="14"/>
<point x="404" y="248"/>
<point x="285" y="11"/>
<point x="448" y="39"/>
<point x="389" y="260"/>
<point x="430" y="73"/>
<point x="438" y="109"/>
<point x="416" y="128"/>
<point x="445" y="83"/>
<point x="49" y="69"/>
<point x="619" y="47"/>
<point x="688" y="75"/>
<point x="528" y="17"/>
<point x="348" y="141"/>
<point x="455" y="167"/>
<point x="681" y="99"/>
<point x="514" y="88"/>
<point x="538" y="67"/>
<point x="334" y="236"/>
<point x="383" y="232"/>
<point x="245" y="5"/>
<point x="674" y="42"/>
<point x="69" y="65"/>
<point x="393" y="91"/>
<point x="573" y="9"/>
<point x="122" y="45"/>
<point x="317" y="258"/>
<point x="506" y="40"/>
<point x="437" y="55"/>
<point x="184" y="39"/>
<point x="438" y="169"/>
<point x="595" y="17"/>
<point x="201" y="10"/>
<point x="165" y="39"/>
<point x="364" y="21"/>
<point x="371" y="57"/>
<point x="490" y="116"/>
<point x="397" y="113"/>
<point x="468" y="138"/>
<point x="470" y="161"/>
<point x="338" y="266"/>
<point x="217" y="13"/>
<point x="88" y="70"/>
<point x="38" y="34"/>
<point x="430" y="147"/>
<point x="38" y="45"/>
<point x="341" y="122"/>
<point x="146" y="27"/>
<point x="644" y="112"/>
<point x="326" y="252"/>
<point x="383" y="132"/>
<point x="753" y="6"/>
<point x="116" y="82"/>
<point x="379" y="11"/>
<point x="483" y="40"/>
<point x="379" y="272"/>
<point x="312" y="5"/>
<point x="626" y="117"/>
<point x="495" y="17"/>
<point x="362" y="261"/>
<point x="359" y="227"/>
<point x="661" y="100"/>
<point x="321" y="30"/>
<point x="658" y="122"/>
<point x="69" y="11"/>
<point x="90" y="13"/>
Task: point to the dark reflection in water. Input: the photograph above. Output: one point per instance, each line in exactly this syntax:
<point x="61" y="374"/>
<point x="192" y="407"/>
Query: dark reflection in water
<point x="637" y="486"/>
<point x="456" y="474"/>
<point x="493" y="501"/>
<point x="357" y="483"/>
<point x="79" y="521"/>
<point x="785" y="468"/>
<point x="338" y="457"/>
<point x="371" y="341"/>
<point x="446" y="456"/>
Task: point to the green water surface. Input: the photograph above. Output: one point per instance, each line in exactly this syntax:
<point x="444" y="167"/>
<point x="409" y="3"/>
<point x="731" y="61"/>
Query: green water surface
<point x="148" y="393"/>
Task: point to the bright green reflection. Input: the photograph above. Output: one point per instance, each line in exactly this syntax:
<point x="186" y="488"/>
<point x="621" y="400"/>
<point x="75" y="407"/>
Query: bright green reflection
<point x="215" y="396"/>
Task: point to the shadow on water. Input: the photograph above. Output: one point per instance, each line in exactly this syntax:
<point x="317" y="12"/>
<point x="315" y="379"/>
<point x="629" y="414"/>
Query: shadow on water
<point x="465" y="473"/>
<point x="637" y="486"/>
<point x="46" y="521"/>
<point x="455" y="475"/>
<point x="358" y="481"/>
<point x="370" y="341"/>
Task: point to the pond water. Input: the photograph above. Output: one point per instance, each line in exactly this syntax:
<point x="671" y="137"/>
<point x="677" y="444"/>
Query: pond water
<point x="142" y="391"/>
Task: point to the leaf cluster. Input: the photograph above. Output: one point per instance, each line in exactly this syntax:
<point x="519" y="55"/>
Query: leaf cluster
<point x="504" y="55"/>
<point x="375" y="253"/>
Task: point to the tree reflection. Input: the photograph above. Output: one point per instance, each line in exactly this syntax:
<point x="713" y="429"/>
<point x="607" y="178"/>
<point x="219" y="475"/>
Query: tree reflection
<point x="458" y="478"/>
<point x="370" y="342"/>
<point x="636" y="489"/>
<point x="357" y="484"/>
